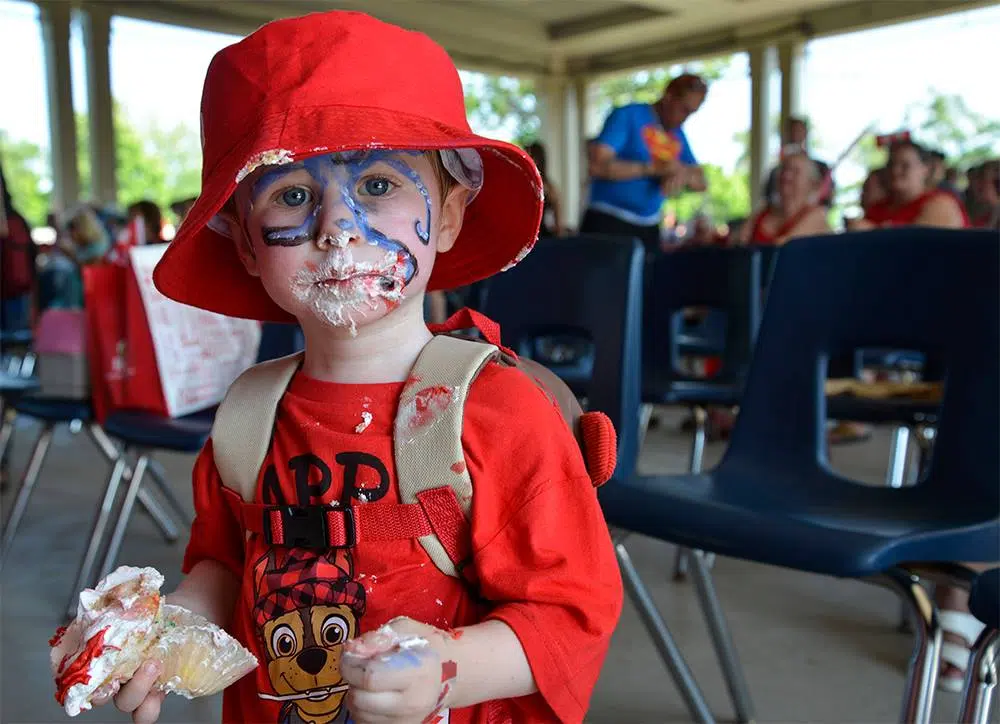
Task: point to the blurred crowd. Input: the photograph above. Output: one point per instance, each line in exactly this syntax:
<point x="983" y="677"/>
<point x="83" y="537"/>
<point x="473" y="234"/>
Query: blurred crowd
<point x="49" y="275"/>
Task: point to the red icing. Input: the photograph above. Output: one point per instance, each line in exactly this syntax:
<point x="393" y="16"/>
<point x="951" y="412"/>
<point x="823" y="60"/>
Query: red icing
<point x="458" y="468"/>
<point x="428" y="402"/>
<point x="78" y="671"/>
<point x="58" y="637"/>
<point x="454" y="634"/>
<point x="449" y="670"/>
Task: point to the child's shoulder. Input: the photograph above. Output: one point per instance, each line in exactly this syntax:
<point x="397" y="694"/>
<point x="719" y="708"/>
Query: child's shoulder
<point x="504" y="391"/>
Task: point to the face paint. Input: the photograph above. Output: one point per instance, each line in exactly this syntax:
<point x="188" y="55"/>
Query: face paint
<point x="340" y="286"/>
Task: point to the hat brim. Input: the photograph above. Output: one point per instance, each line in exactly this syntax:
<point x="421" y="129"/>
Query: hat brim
<point x="202" y="268"/>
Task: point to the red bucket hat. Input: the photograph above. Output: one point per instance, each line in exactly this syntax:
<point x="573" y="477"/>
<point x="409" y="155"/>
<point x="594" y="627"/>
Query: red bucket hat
<point x="329" y="82"/>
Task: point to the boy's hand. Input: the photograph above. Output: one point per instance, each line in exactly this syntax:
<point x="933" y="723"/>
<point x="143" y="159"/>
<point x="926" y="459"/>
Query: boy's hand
<point x="136" y="696"/>
<point x="393" y="683"/>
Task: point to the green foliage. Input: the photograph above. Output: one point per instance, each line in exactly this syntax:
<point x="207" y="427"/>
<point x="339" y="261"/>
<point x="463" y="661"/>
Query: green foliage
<point x="727" y="197"/>
<point x="25" y="168"/>
<point x="497" y="104"/>
<point x="946" y="123"/>
<point x="156" y="163"/>
<point x="646" y="86"/>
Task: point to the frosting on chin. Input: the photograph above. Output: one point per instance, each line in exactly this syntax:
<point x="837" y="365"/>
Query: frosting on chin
<point x="115" y="625"/>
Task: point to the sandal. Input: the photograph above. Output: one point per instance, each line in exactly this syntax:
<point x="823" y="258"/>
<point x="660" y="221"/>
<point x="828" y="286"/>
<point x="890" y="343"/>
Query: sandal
<point x="966" y="627"/>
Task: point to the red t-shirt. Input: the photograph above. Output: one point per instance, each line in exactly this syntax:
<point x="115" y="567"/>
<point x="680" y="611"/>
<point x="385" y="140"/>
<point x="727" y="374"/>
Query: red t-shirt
<point x="888" y="214"/>
<point x="541" y="547"/>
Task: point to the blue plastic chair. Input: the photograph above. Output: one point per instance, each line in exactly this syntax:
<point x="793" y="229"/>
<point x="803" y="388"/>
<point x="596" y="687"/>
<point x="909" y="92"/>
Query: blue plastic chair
<point x="591" y="287"/>
<point x="143" y="434"/>
<point x="981" y="676"/>
<point x="727" y="281"/>
<point x="774" y="498"/>
<point x="586" y="289"/>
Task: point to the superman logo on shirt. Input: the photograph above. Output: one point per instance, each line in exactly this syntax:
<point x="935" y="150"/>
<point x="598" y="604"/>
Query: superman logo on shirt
<point x="662" y="145"/>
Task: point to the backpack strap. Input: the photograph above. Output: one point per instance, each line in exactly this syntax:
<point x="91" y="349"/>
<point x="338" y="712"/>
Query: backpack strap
<point x="430" y="461"/>
<point x="244" y="422"/>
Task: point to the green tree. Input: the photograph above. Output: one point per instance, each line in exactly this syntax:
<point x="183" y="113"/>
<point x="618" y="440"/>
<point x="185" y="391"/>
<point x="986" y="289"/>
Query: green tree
<point x="155" y="163"/>
<point x="499" y="104"/>
<point x="946" y="123"/>
<point x="646" y="86"/>
<point x="25" y="168"/>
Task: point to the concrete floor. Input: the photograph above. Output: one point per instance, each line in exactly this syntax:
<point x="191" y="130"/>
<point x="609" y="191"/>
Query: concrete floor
<point x="814" y="649"/>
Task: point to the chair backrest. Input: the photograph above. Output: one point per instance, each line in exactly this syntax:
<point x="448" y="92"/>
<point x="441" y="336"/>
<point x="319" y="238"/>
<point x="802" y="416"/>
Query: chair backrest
<point x="931" y="290"/>
<point x="279" y="340"/>
<point x="721" y="279"/>
<point x="588" y="288"/>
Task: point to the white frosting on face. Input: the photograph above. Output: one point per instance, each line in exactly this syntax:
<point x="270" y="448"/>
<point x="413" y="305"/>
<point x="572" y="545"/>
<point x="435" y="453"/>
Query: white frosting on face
<point x="126" y="607"/>
<point x="341" y="287"/>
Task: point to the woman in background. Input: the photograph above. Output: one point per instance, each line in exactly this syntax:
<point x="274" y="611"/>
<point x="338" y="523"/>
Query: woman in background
<point x="797" y="212"/>
<point x="84" y="237"/>
<point x="152" y="219"/>
<point x="911" y="200"/>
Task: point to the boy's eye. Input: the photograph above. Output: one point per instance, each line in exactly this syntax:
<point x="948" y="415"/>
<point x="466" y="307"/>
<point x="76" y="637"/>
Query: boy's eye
<point x="296" y="196"/>
<point x="377" y="186"/>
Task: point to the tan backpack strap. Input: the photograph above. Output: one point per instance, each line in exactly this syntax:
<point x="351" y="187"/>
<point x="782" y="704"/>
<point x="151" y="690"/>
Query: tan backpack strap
<point x="244" y="422"/>
<point x="428" y="443"/>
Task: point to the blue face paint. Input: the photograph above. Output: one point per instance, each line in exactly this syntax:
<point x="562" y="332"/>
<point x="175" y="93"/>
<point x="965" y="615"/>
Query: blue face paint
<point x="346" y="169"/>
<point x="403" y="659"/>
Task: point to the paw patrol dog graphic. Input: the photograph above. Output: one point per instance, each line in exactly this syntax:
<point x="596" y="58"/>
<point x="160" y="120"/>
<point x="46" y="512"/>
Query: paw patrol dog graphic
<point x="308" y="604"/>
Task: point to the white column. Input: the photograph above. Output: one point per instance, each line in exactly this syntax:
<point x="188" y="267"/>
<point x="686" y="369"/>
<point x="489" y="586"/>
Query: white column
<point x="97" y="40"/>
<point x="762" y="66"/>
<point x="574" y="160"/>
<point x="552" y="97"/>
<point x="791" y="60"/>
<point x="55" y="20"/>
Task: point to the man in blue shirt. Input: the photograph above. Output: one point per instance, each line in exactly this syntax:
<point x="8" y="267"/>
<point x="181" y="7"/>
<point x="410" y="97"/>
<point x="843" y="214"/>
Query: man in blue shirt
<point x="642" y="157"/>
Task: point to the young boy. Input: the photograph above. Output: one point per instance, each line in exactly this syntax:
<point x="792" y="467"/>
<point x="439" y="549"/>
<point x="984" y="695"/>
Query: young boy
<point x="341" y="182"/>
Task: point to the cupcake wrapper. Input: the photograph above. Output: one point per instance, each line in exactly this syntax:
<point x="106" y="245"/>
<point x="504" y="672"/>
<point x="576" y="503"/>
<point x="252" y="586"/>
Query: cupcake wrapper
<point x="198" y="657"/>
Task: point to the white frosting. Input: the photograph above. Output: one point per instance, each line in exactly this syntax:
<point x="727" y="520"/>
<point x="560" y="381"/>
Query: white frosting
<point x="121" y="606"/>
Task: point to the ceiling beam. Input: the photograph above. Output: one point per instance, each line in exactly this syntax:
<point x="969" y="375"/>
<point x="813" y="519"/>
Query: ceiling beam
<point x="663" y="6"/>
<point x="468" y="53"/>
<point x="436" y="18"/>
<point x="835" y="20"/>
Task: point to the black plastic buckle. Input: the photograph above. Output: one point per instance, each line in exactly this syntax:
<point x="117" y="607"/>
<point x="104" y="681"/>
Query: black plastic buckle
<point x="306" y="527"/>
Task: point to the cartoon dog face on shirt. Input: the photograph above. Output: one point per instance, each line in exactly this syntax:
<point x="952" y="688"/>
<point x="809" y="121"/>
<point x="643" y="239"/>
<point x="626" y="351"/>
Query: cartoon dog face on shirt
<point x="303" y="655"/>
<point x="307" y="606"/>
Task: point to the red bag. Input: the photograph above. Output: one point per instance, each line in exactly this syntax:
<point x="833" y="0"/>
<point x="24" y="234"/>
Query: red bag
<point x="200" y="353"/>
<point x="123" y="372"/>
<point x="16" y="259"/>
<point x="104" y="303"/>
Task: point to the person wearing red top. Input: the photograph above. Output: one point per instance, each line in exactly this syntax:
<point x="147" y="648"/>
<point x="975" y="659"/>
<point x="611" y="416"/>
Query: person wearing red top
<point x="911" y="202"/>
<point x="316" y="208"/>
<point x="797" y="212"/>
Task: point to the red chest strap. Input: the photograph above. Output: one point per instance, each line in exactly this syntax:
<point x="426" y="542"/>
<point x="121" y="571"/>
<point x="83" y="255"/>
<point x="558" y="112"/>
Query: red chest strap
<point x="436" y="513"/>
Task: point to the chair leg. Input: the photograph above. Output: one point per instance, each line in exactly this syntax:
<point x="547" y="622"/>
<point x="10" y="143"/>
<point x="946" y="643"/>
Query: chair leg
<point x="645" y="415"/>
<point x="980" y="679"/>
<point x="696" y="463"/>
<point x="85" y="572"/>
<point x="28" y="482"/>
<point x="662" y="638"/>
<point x="118" y="535"/>
<point x="7" y="418"/>
<point x="160" y="478"/>
<point x="166" y="524"/>
<point x="918" y="697"/>
<point x="722" y="638"/>
<point x="895" y="476"/>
